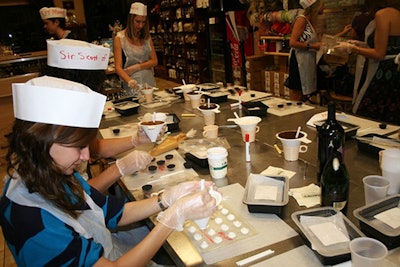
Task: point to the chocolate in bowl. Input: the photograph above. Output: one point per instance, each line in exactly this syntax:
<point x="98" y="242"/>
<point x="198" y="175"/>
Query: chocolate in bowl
<point x="208" y="107"/>
<point x="151" y="122"/>
<point x="290" y="135"/>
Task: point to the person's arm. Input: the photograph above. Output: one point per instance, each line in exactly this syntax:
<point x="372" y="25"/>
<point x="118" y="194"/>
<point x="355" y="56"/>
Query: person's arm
<point x="106" y="148"/>
<point x="297" y="30"/>
<point x="381" y="37"/>
<point x="118" y="60"/>
<point x="152" y="62"/>
<point x="345" y="30"/>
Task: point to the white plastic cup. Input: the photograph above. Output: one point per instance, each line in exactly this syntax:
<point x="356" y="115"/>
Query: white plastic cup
<point x="375" y="188"/>
<point x="148" y="94"/>
<point x="195" y="99"/>
<point x="217" y="162"/>
<point x="391" y="169"/>
<point x="248" y="125"/>
<point x="367" y="252"/>
<point x="291" y="145"/>
<point x="202" y="223"/>
<point x="210" y="131"/>
<point x="209" y="114"/>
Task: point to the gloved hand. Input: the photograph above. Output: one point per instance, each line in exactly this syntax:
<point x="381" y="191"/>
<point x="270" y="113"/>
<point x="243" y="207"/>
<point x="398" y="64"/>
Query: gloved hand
<point x="132" y="69"/>
<point x="134" y="161"/>
<point x="140" y="138"/>
<point x="344" y="47"/>
<point x="132" y="84"/>
<point x="171" y="194"/>
<point x="194" y="206"/>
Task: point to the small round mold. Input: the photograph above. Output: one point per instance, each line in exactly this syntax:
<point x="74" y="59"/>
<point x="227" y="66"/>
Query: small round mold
<point x="299" y="103"/>
<point x="288" y="103"/>
<point x="280" y="105"/>
<point x="187" y="165"/>
<point x="116" y="130"/>
<point x="169" y="156"/>
<point x="152" y="168"/>
<point x="382" y="125"/>
<point x="253" y="95"/>
<point x="171" y="167"/>
<point x="160" y="162"/>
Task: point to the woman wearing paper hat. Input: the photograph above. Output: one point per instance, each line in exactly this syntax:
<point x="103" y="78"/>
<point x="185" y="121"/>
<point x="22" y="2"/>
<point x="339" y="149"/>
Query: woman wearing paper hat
<point x="49" y="214"/>
<point x="136" y="45"/>
<point x="54" y="22"/>
<point x="85" y="63"/>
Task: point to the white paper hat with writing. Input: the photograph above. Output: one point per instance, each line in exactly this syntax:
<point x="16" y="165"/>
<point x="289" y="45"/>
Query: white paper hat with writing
<point x="57" y="101"/>
<point x="52" y="12"/>
<point x="75" y="54"/>
<point x="138" y="9"/>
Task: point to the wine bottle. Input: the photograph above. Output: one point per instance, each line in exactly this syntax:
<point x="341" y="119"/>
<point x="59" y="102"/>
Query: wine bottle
<point x="330" y="138"/>
<point x="335" y="183"/>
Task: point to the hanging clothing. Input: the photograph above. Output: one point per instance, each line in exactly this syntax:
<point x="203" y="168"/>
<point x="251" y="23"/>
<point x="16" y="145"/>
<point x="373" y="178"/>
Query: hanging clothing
<point x="378" y="95"/>
<point x="135" y="54"/>
<point x="32" y="225"/>
<point x="307" y="60"/>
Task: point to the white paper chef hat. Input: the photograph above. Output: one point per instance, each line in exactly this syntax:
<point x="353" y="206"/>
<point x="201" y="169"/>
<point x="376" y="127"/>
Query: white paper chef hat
<point x="138" y="9"/>
<point x="57" y="101"/>
<point x="307" y="3"/>
<point x="52" y="12"/>
<point x="74" y="54"/>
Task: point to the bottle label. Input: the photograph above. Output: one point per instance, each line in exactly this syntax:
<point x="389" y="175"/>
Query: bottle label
<point x="339" y="205"/>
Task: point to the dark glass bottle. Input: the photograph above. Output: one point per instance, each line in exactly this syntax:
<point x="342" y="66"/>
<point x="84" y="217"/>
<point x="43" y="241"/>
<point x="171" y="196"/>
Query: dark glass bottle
<point x="335" y="183"/>
<point x="330" y="138"/>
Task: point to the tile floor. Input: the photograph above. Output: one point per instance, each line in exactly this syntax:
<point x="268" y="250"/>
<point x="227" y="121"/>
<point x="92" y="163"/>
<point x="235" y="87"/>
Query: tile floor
<point x="6" y="258"/>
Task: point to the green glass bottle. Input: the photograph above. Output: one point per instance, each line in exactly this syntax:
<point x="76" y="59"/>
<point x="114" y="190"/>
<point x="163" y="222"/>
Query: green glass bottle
<point x="335" y="183"/>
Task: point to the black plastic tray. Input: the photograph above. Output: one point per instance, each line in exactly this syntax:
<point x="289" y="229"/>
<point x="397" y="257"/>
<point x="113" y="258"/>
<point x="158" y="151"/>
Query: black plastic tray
<point x="217" y="97"/>
<point x="334" y="257"/>
<point x="369" y="148"/>
<point x="256" y="108"/>
<point x="126" y="107"/>
<point x="375" y="228"/>
<point x="350" y="130"/>
<point x="200" y="162"/>
<point x="174" y="125"/>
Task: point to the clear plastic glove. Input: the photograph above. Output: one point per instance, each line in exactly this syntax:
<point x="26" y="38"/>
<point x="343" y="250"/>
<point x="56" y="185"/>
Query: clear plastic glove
<point x="191" y="207"/>
<point x="133" y="84"/>
<point x="344" y="47"/>
<point x="134" y="161"/>
<point x="173" y="193"/>
<point x="140" y="138"/>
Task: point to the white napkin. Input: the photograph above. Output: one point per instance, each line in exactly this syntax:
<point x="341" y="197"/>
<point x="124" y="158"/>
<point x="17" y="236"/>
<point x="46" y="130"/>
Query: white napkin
<point x="308" y="196"/>
<point x="275" y="171"/>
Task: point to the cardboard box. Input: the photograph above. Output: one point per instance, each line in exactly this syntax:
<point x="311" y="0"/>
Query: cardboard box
<point x="274" y="83"/>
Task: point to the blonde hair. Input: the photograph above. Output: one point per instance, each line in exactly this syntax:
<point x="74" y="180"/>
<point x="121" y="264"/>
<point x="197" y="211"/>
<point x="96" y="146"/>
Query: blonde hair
<point x="144" y="33"/>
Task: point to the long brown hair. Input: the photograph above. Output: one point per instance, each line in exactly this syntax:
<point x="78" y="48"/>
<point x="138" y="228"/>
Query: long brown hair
<point x="313" y="10"/>
<point x="144" y="33"/>
<point x="29" y="156"/>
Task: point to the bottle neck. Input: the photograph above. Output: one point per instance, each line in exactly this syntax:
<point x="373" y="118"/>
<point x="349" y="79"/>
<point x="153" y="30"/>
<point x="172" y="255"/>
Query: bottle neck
<point x="331" y="112"/>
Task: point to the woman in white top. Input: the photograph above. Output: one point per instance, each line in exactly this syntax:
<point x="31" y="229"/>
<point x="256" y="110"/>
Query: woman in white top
<point x="136" y="44"/>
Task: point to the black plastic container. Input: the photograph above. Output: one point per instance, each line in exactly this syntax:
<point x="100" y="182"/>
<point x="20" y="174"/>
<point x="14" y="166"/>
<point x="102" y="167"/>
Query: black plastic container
<point x="216" y="97"/>
<point x="198" y="161"/>
<point x="173" y="122"/>
<point x="369" y="148"/>
<point x="327" y="255"/>
<point x="126" y="107"/>
<point x="350" y="130"/>
<point x="256" y="108"/>
<point x="375" y="228"/>
<point x="263" y="205"/>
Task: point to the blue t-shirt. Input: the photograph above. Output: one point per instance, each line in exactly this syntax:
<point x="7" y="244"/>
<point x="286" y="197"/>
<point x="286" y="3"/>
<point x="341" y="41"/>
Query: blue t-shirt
<point x="38" y="238"/>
